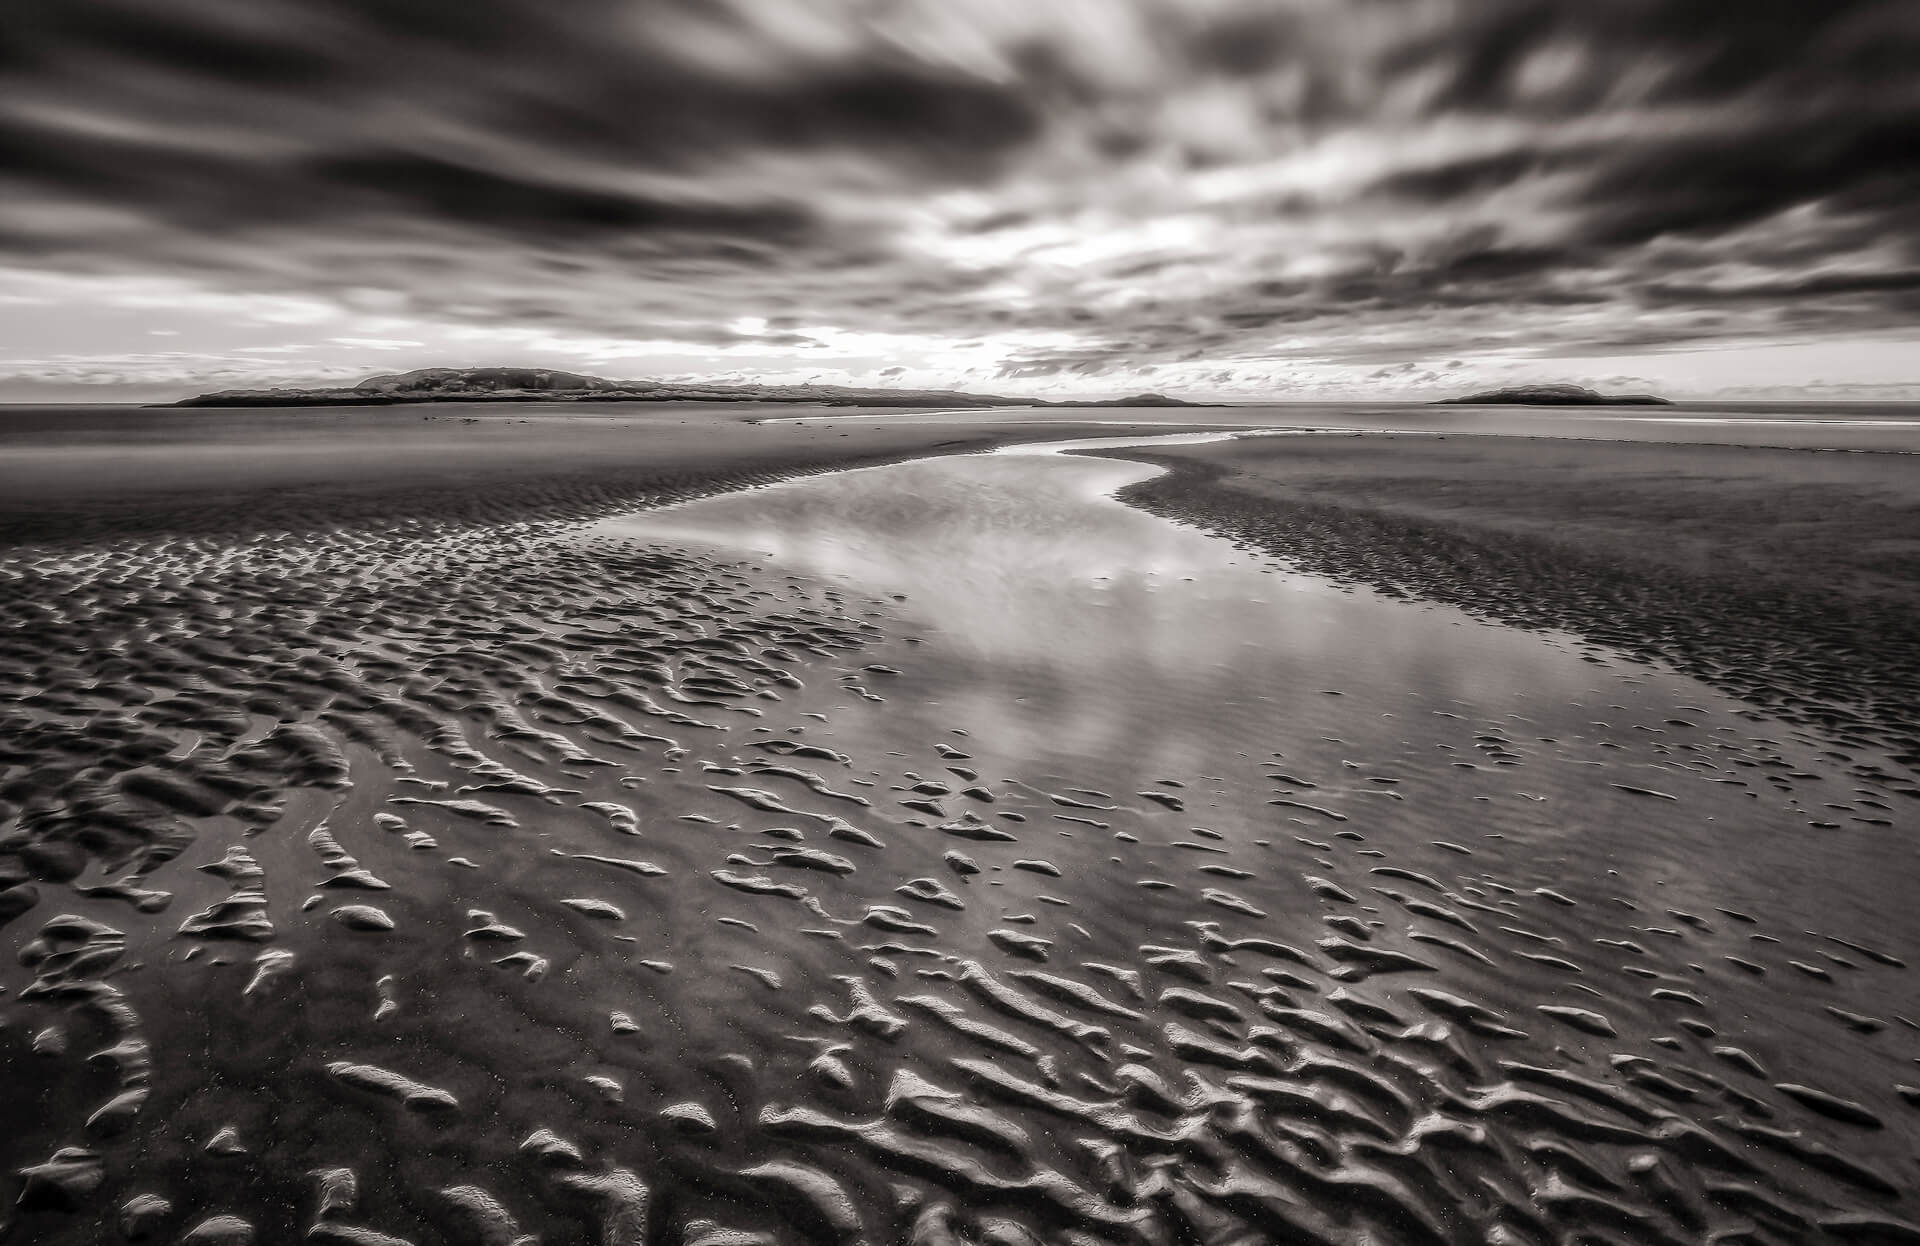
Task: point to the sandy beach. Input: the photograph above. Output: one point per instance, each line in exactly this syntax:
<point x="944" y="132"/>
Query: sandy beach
<point x="654" y="827"/>
<point x="1790" y="579"/>
<point x="67" y="472"/>
<point x="959" y="623"/>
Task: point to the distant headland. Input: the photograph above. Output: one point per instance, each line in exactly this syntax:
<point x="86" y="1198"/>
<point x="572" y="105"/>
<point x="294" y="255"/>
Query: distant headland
<point x="1555" y="396"/>
<point x="547" y="385"/>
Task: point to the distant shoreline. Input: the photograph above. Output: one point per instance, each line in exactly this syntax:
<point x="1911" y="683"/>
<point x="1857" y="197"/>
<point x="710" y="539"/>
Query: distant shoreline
<point x="352" y="398"/>
<point x="429" y="385"/>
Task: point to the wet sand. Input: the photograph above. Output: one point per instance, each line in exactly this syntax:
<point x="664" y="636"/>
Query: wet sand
<point x="88" y="472"/>
<point x="942" y="851"/>
<point x="1789" y="578"/>
<point x="1891" y="427"/>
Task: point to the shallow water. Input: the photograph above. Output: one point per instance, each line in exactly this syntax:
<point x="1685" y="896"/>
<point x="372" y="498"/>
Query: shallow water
<point x="941" y="852"/>
<point x="1069" y="642"/>
<point x="1064" y="627"/>
<point x="1068" y="625"/>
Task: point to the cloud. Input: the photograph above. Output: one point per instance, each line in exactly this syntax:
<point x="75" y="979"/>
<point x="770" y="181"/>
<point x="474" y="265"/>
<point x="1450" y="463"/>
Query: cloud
<point x="1057" y="192"/>
<point x="377" y="343"/>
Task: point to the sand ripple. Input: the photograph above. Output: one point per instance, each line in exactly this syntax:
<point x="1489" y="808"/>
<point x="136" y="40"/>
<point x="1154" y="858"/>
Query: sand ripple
<point x="506" y="913"/>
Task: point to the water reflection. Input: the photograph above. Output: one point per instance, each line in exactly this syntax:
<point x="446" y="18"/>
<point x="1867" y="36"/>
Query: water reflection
<point x="1584" y="809"/>
<point x="1069" y="623"/>
<point x="1069" y="635"/>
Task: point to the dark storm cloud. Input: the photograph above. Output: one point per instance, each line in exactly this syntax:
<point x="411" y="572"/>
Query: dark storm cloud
<point x="1136" y="181"/>
<point x="412" y="184"/>
<point x="1716" y="182"/>
<point x="1749" y="113"/>
<point x="495" y="115"/>
<point x="584" y="77"/>
<point x="1698" y="52"/>
<point x="1905" y="282"/>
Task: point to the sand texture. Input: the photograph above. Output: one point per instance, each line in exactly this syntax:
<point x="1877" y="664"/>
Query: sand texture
<point x="462" y="844"/>
<point x="1791" y="579"/>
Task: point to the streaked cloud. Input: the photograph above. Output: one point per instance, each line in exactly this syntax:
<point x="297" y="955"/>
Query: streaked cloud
<point x="1232" y="196"/>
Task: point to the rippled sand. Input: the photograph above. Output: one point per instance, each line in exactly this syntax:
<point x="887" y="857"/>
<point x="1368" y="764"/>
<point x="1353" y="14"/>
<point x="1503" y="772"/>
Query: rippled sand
<point x="516" y="878"/>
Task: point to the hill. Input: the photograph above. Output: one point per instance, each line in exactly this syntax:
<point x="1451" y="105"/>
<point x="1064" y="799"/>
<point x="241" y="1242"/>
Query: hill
<point x="547" y="385"/>
<point x="1554" y="396"/>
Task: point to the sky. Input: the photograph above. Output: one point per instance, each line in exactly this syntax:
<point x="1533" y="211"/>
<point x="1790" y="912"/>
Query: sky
<point x="1286" y="200"/>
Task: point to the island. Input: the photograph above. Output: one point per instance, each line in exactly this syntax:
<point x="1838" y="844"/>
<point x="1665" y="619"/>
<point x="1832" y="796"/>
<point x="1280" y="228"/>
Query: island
<point x="1554" y="396"/>
<point x="548" y="385"/>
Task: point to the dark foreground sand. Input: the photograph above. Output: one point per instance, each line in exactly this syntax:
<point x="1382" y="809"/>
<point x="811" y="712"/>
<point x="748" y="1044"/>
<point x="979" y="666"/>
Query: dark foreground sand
<point x="1789" y="578"/>
<point x="386" y="860"/>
